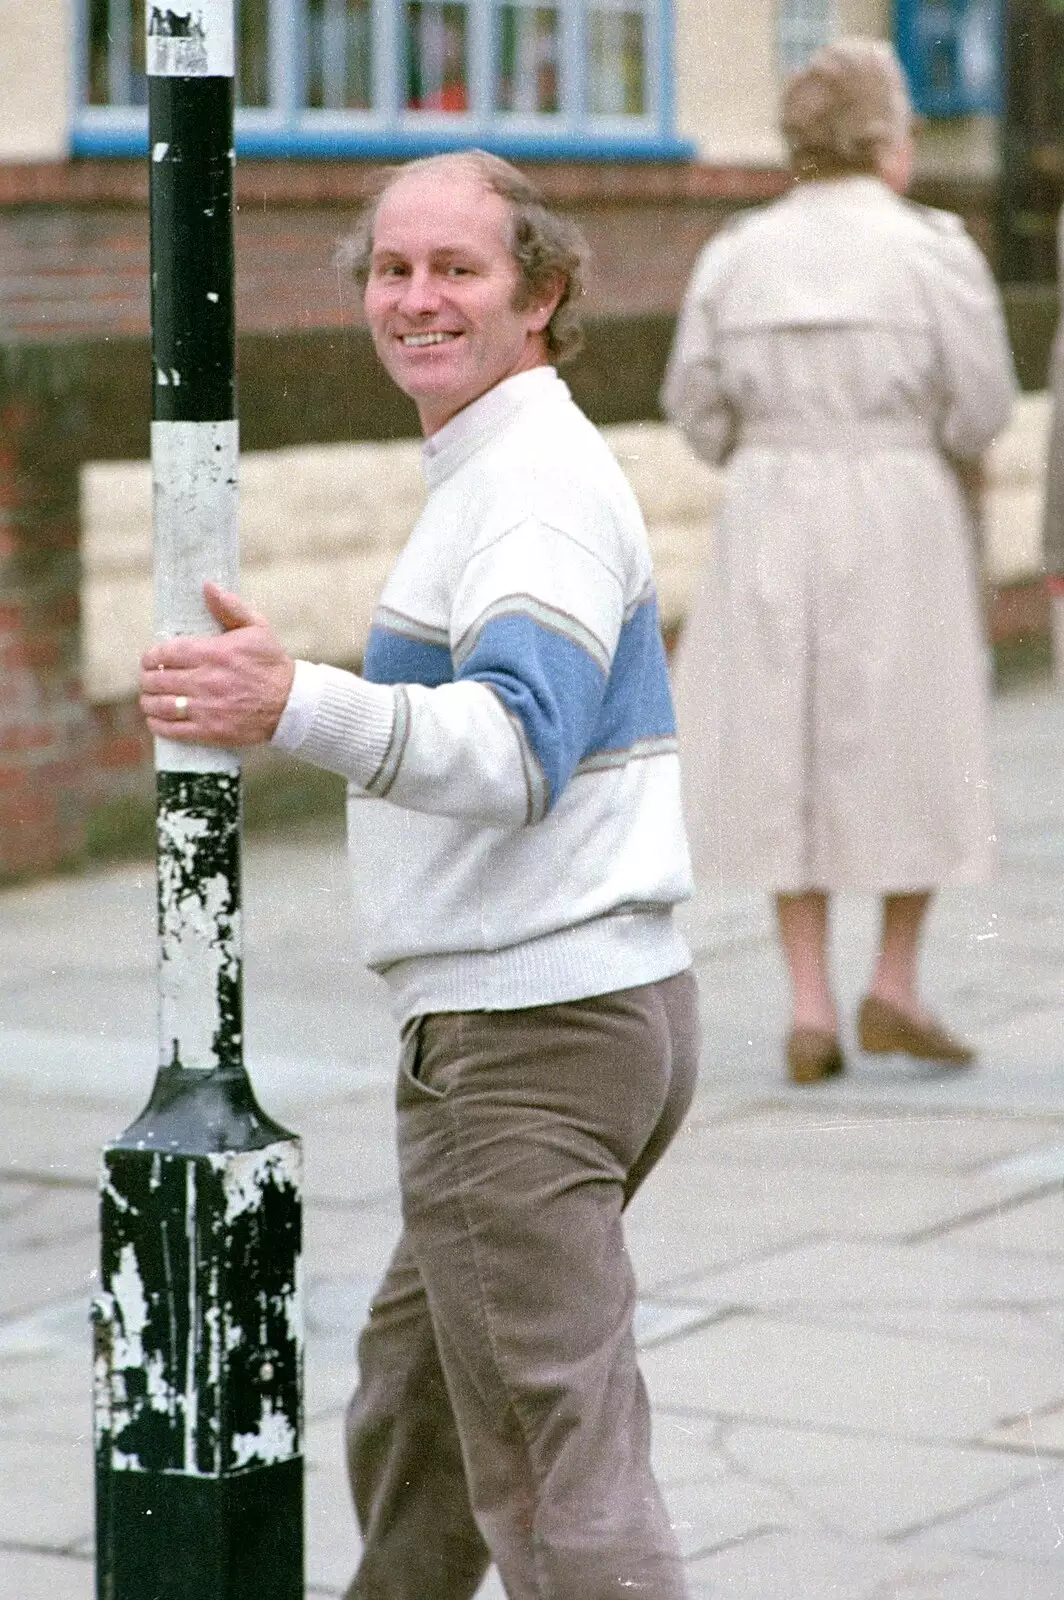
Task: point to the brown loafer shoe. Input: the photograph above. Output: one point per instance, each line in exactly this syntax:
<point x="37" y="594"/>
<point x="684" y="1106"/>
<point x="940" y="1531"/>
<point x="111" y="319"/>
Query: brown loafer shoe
<point x="884" y="1029"/>
<point x="812" y="1054"/>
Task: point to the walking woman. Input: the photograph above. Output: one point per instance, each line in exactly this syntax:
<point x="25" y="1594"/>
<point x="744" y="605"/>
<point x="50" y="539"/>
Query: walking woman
<point x="844" y="351"/>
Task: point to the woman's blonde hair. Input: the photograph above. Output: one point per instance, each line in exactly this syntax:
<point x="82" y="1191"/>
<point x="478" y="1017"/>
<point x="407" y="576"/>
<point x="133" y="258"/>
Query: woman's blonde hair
<point x="546" y="247"/>
<point x="845" y="109"/>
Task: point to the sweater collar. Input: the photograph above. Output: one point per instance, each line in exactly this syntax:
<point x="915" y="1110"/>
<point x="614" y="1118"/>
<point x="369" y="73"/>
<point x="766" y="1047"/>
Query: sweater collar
<point x="484" y="419"/>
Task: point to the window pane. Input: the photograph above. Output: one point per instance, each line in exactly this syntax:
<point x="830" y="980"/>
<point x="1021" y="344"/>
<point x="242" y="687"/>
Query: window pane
<point x="804" y="25"/>
<point x="437" y="56"/>
<point x="339" y="54"/>
<point x="527" y="69"/>
<point x="253" y="53"/>
<point x="616" y="68"/>
<point x="115" y="65"/>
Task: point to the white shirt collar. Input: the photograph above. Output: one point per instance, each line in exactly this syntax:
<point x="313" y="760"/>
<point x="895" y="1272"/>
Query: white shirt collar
<point x="483" y="418"/>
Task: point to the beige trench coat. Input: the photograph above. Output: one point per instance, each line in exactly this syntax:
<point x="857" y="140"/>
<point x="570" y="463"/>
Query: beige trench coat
<point x="839" y="349"/>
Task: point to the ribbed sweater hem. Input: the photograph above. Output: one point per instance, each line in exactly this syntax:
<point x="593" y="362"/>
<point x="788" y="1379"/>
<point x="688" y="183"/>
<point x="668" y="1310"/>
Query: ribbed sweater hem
<point x="613" y="952"/>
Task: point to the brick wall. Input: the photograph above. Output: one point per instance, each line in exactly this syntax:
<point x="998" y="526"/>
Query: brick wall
<point x="44" y="722"/>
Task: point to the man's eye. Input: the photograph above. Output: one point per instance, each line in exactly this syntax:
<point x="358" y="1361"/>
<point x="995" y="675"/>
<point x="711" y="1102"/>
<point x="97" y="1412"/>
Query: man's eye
<point x="391" y="270"/>
<point x="457" y="271"/>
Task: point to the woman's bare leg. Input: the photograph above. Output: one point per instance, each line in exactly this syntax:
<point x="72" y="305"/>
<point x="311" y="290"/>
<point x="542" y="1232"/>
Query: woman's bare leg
<point x="896" y="979"/>
<point x="803" y="927"/>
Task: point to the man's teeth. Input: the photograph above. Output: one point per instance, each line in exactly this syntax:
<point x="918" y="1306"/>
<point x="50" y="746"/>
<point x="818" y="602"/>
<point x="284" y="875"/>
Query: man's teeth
<point x="415" y="340"/>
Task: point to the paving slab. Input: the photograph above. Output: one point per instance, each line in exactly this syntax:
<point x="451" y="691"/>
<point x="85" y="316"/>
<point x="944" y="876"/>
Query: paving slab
<point x="796" y="1567"/>
<point x="865" y="1137"/>
<point x="977" y="1579"/>
<point x="727" y="1508"/>
<point x="1035" y="1226"/>
<point x="747" y="1211"/>
<point x="349" y="1148"/>
<point x="1042" y="1433"/>
<point x="46" y="1491"/>
<point x="1025" y="1524"/>
<point x="861" y="1489"/>
<point x="47" y="1396"/>
<point x="932" y="1277"/>
<point x="821" y="1376"/>
<point x="331" y="1530"/>
<point x="351" y="1240"/>
<point x="793" y="1566"/>
<point x="38" y="1575"/>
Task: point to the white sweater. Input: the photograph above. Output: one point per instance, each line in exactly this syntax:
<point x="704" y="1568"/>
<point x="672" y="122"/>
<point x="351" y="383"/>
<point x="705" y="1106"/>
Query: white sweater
<point x="514" y="815"/>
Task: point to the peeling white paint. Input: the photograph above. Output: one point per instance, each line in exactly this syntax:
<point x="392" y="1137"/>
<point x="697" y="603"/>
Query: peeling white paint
<point x="161" y="1395"/>
<point x="121" y="1461"/>
<point x="181" y="831"/>
<point x="213" y="297"/>
<point x="274" y="1440"/>
<point x="159" y="149"/>
<point x="107" y="1188"/>
<point x="200" y="944"/>
<point x="127" y="1287"/>
<point x="246" y="1176"/>
<point x="293" y="1306"/>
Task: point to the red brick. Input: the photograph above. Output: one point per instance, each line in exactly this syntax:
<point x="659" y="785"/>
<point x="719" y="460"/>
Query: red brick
<point x="27" y="736"/>
<point x="122" y="752"/>
<point x="27" y="810"/>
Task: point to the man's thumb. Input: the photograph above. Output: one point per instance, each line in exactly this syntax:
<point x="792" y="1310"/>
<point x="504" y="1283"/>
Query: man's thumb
<point x="230" y="610"/>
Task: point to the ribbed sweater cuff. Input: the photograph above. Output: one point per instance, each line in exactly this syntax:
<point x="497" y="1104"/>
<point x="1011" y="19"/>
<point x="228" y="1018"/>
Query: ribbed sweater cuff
<point x="338" y="721"/>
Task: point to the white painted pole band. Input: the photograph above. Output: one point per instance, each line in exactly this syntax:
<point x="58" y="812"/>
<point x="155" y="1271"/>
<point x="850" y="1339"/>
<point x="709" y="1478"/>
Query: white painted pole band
<point x="190" y="38"/>
<point x="194" y="489"/>
<point x="194" y="493"/>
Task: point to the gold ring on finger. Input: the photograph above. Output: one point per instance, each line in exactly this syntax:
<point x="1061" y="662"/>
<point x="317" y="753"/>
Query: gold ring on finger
<point x="180" y="706"/>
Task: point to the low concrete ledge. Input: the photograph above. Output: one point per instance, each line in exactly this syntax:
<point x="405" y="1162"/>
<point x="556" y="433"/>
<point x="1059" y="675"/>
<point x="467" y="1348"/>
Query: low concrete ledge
<point x="320" y="529"/>
<point x="321" y="526"/>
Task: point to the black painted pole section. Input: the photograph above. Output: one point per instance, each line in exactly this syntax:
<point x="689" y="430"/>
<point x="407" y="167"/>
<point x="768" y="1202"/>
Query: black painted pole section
<point x="198" y="1322"/>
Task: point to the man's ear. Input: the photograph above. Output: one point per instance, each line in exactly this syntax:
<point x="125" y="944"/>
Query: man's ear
<point x="545" y="304"/>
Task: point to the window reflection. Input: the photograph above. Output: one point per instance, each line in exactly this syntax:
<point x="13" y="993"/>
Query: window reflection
<point x="339" y="54"/>
<point x="527" y="68"/>
<point x="437" y="56"/>
<point x="616" y="67"/>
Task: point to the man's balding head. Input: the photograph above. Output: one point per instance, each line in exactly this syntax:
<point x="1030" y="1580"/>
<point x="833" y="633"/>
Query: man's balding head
<point x="547" y="249"/>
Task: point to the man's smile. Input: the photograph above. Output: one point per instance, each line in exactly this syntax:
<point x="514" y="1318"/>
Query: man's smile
<point x="415" y="341"/>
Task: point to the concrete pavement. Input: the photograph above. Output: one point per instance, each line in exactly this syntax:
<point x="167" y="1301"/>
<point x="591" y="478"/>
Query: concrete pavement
<point x="852" y="1296"/>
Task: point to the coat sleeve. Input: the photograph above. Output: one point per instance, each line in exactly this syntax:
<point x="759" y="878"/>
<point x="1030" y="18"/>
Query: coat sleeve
<point x="691" y="395"/>
<point x="978" y="384"/>
<point x="1053" y="523"/>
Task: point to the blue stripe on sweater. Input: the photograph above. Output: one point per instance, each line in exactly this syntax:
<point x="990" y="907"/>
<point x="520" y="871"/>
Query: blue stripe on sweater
<point x="548" y="682"/>
<point x="568" y="709"/>
<point x="394" y="658"/>
<point x="638" y="701"/>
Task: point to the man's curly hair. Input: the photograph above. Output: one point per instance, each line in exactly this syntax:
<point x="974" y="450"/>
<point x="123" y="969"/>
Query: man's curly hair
<point x="545" y="246"/>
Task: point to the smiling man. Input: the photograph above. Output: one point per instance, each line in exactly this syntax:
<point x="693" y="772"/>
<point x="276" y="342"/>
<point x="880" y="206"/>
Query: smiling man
<point x="517" y="848"/>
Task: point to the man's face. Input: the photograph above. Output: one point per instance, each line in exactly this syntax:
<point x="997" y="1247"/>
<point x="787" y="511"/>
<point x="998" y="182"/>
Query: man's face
<point x="440" y="296"/>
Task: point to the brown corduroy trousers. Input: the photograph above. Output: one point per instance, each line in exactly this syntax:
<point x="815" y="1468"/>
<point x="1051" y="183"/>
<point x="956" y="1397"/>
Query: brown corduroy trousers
<point x="500" y="1413"/>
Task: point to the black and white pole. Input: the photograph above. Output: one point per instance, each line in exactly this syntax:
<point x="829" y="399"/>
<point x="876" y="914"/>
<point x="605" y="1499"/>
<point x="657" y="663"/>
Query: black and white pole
<point x="198" y="1328"/>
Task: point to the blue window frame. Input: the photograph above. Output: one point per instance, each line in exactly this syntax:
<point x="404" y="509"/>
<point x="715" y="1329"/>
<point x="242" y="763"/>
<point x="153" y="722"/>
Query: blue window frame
<point x="393" y="78"/>
<point x="953" y="55"/>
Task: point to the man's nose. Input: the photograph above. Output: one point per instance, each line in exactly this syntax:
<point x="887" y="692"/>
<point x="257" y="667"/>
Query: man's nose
<point x="421" y="293"/>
